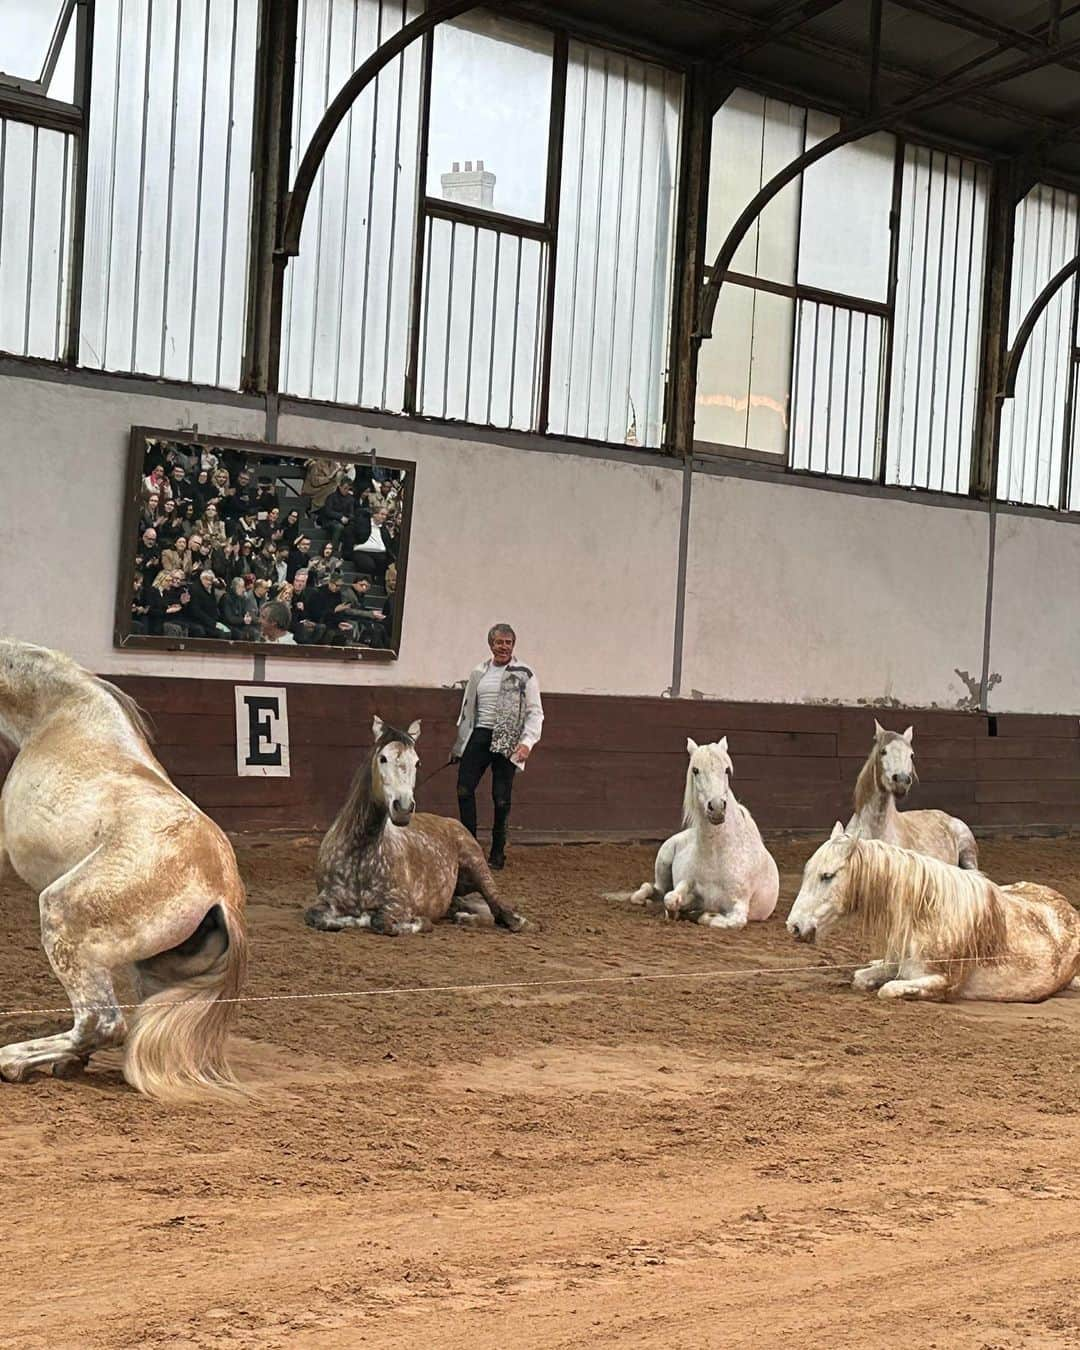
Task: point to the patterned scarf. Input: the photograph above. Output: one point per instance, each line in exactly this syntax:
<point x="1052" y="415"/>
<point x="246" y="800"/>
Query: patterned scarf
<point x="510" y="711"/>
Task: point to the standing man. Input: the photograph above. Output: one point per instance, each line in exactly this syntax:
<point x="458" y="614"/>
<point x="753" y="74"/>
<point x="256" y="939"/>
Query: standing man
<point x="500" y="721"/>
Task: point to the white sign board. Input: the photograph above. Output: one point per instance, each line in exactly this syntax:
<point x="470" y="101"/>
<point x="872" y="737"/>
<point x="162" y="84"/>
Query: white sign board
<point x="262" y="731"/>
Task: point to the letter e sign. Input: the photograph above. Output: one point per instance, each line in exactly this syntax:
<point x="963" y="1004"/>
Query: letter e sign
<point x="262" y="731"/>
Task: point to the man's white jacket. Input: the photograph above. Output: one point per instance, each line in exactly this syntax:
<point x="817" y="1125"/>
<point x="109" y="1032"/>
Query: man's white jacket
<point x="520" y="693"/>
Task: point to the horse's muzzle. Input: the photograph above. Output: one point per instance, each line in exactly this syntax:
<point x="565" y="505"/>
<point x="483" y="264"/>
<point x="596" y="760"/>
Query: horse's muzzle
<point x="802" y="932"/>
<point x="401" y="814"/>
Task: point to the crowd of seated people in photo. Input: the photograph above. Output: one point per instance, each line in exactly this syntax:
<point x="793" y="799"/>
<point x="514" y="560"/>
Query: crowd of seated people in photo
<point x="241" y="548"/>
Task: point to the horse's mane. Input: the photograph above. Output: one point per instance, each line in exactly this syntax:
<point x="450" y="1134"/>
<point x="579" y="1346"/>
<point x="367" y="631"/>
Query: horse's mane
<point x="358" y="802"/>
<point x="689" y="802"/>
<point x="135" y="715"/>
<point x="909" y="902"/>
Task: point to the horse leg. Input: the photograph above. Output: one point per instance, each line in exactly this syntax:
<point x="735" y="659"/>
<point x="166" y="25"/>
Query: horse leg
<point x="388" y="921"/>
<point x="736" y="916"/>
<point x="874" y="975"/>
<point x="87" y="982"/>
<point x="662" y="881"/>
<point x="933" y="987"/>
<point x="678" y="900"/>
<point x="475" y="875"/>
<point x="472" y="912"/>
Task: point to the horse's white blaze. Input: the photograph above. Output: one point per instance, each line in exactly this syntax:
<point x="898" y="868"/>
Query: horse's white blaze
<point x="716" y="870"/>
<point x="394" y="780"/>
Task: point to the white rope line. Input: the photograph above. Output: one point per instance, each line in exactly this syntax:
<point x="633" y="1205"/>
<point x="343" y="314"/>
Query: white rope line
<point x="724" y="973"/>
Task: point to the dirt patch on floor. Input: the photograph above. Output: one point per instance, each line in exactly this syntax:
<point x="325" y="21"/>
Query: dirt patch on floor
<point x="760" y="1159"/>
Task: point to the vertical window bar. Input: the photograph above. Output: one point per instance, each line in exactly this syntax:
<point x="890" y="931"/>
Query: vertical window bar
<point x="62" y="250"/>
<point x="394" y="213"/>
<point x="880" y="467"/>
<point x="30" y="240"/>
<point x="413" y="400"/>
<point x="847" y="393"/>
<point x="199" y="195"/>
<point x="494" y="323"/>
<point x="169" y="192"/>
<point x="472" y="323"/>
<point x="514" y="340"/>
<point x="421" y="334"/>
<point x="602" y="162"/>
<point x="347" y="192"/>
<point x="366" y="292"/>
<point x="1068" y="431"/>
<point x="449" y="312"/>
<point x="621" y="169"/>
<point x="142" y="180"/>
<point x="937" y="336"/>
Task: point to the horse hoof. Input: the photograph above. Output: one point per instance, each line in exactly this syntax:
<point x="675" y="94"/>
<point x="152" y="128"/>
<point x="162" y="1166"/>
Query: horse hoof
<point x="15" y="1072"/>
<point x="516" y="922"/>
<point x="68" y="1067"/>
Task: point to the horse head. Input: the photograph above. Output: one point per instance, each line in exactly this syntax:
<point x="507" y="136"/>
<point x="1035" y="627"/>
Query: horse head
<point x="394" y="762"/>
<point x="708" y="782"/>
<point x="825" y="893"/>
<point x="894" y="759"/>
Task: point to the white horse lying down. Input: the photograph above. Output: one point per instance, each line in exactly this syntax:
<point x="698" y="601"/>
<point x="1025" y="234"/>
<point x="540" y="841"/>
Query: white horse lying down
<point x="130" y="876"/>
<point x="716" y="871"/>
<point x="946" y="932"/>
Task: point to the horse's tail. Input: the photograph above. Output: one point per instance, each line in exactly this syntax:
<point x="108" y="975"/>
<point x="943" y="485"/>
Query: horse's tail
<point x="177" y="1049"/>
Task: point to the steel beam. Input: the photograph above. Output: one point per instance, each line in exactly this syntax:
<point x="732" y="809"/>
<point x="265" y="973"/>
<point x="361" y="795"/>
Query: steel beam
<point x="997" y="273"/>
<point x="276" y="70"/>
<point x="784" y="19"/>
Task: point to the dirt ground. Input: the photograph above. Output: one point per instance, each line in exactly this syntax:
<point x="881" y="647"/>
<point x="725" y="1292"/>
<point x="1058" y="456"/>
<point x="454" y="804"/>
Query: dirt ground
<point x="765" y="1160"/>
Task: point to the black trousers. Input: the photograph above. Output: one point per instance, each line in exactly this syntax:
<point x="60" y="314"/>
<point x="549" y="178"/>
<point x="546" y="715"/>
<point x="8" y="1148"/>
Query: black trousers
<point x="479" y="757"/>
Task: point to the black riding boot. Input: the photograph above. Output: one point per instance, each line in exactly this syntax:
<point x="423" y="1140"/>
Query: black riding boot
<point x="497" y="857"/>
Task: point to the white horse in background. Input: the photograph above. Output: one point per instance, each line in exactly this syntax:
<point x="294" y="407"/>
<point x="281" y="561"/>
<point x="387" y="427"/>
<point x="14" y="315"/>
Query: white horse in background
<point x="946" y="932"/>
<point x="131" y="877"/>
<point x="887" y="775"/>
<point x="716" y="871"/>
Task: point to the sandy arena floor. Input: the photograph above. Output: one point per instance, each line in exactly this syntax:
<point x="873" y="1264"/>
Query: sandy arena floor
<point x="755" y="1162"/>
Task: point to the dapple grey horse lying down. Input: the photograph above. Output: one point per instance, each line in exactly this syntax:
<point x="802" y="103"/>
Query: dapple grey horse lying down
<point x="383" y="867"/>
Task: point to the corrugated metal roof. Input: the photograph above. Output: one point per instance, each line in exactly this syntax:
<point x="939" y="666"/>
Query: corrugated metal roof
<point x="819" y="52"/>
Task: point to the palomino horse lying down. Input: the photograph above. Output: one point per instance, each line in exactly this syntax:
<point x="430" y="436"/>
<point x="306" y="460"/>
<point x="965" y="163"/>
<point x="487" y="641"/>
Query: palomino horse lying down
<point x="384" y="868"/>
<point x="716" y="871"/>
<point x="945" y="932"/>
<point x="888" y="773"/>
<point x="130" y="875"/>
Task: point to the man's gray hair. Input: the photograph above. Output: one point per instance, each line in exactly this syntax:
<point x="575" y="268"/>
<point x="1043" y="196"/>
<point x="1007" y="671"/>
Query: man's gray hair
<point x="277" y="613"/>
<point x="500" y="628"/>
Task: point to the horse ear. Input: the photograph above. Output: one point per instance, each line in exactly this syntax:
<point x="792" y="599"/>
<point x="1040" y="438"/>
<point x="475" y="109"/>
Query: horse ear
<point x="909" y="734"/>
<point x="377" y="726"/>
<point x="837" y="831"/>
<point x="414" y="729"/>
<point x="879" y="730"/>
<point x="691" y="746"/>
<point x="723" y="743"/>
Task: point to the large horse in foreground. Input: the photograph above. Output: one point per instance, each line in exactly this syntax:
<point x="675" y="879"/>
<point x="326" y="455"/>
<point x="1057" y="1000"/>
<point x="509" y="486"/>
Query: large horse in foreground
<point x="888" y="775"/>
<point x="382" y="867"/>
<point x="945" y="932"/>
<point x="131" y="876"/>
<point x="716" y="871"/>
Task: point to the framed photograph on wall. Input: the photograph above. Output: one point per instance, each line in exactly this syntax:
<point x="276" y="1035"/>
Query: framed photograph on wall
<point x="238" y="546"/>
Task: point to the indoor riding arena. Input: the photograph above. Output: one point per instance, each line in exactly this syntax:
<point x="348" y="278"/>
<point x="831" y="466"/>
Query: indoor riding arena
<point x="636" y="903"/>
